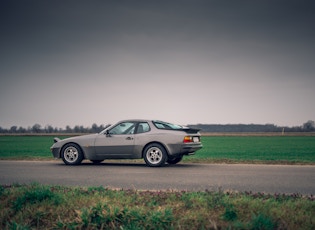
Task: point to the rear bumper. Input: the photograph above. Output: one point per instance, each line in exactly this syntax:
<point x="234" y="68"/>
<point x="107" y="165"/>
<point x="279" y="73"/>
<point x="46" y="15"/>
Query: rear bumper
<point x="188" y="149"/>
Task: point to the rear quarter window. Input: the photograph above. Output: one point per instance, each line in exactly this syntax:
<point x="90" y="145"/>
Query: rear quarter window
<point x="165" y="125"/>
<point x="143" y="127"/>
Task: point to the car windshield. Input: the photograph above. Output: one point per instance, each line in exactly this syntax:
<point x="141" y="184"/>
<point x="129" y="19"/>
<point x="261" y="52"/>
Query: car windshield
<point x="165" y="125"/>
<point x="123" y="128"/>
<point x="106" y="127"/>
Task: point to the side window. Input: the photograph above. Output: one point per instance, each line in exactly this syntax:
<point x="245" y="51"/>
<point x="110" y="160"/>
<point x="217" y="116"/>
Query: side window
<point x="159" y="125"/>
<point x="143" y="127"/>
<point x="165" y="125"/>
<point x="123" y="128"/>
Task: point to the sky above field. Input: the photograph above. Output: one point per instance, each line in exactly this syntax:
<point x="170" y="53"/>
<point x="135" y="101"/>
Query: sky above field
<point x="186" y="61"/>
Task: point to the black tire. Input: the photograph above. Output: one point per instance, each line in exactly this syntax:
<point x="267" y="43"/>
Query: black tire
<point x="72" y="154"/>
<point x="175" y="160"/>
<point x="155" y="155"/>
<point x="96" y="162"/>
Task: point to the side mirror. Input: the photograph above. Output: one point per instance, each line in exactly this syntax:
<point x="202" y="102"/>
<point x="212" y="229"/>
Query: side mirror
<point x="107" y="133"/>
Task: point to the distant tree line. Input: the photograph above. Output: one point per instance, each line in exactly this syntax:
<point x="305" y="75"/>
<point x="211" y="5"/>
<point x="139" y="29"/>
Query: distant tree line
<point x="37" y="128"/>
<point x="308" y="126"/>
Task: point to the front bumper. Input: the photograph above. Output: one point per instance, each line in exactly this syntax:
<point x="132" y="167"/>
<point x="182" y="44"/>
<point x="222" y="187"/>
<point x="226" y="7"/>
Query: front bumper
<point x="55" y="151"/>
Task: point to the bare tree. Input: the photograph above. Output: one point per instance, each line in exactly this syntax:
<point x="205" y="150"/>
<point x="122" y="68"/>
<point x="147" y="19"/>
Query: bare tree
<point x="309" y="126"/>
<point x="13" y="129"/>
<point x="68" y="129"/>
<point x="36" y="128"/>
<point x="49" y="129"/>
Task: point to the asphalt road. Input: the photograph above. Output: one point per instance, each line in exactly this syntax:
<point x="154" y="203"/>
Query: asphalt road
<point x="191" y="177"/>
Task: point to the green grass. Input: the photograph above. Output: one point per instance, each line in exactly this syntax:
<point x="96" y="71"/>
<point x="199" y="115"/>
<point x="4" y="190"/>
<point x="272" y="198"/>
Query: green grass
<point x="37" y="206"/>
<point x="57" y="207"/>
<point x="25" y="147"/>
<point x="264" y="149"/>
<point x="232" y="149"/>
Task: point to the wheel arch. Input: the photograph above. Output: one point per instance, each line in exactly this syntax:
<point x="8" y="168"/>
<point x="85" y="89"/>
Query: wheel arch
<point x="71" y="142"/>
<point x="154" y="142"/>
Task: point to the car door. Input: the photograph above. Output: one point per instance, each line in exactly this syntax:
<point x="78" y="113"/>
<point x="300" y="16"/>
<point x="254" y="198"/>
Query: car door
<point x="118" y="142"/>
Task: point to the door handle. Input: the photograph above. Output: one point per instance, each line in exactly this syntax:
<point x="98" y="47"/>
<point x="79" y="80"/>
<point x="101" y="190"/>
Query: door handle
<point x="129" y="138"/>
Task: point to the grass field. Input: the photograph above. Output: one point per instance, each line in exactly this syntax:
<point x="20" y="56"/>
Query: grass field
<point x="38" y="206"/>
<point x="228" y="149"/>
<point x="257" y="149"/>
<point x="25" y="147"/>
<point x="57" y="207"/>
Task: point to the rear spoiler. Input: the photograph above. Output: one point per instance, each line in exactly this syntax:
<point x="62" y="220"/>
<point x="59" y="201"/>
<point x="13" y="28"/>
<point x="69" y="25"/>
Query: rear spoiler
<point x="56" y="139"/>
<point x="191" y="130"/>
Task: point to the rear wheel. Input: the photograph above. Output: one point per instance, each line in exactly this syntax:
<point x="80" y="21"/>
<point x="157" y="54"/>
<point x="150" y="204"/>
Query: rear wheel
<point x="155" y="155"/>
<point x="71" y="154"/>
<point x="174" y="160"/>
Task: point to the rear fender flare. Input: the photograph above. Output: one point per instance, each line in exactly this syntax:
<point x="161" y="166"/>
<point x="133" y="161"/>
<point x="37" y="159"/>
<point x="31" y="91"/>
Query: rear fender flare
<point x="154" y="142"/>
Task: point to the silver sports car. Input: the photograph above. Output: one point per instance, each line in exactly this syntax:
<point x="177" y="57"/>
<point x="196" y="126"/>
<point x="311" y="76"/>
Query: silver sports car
<point x="155" y="141"/>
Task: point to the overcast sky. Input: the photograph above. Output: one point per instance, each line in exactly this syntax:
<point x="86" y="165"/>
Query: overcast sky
<point x="187" y="62"/>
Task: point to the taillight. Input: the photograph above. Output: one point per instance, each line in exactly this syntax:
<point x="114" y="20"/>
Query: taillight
<point x="188" y="139"/>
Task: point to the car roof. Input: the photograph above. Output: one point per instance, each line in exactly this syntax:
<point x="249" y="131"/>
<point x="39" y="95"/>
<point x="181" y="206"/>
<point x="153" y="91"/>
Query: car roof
<point x="135" y="120"/>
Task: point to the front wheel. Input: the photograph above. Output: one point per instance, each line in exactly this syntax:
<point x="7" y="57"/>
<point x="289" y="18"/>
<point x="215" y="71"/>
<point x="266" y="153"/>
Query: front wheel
<point x="72" y="154"/>
<point x="155" y="155"/>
